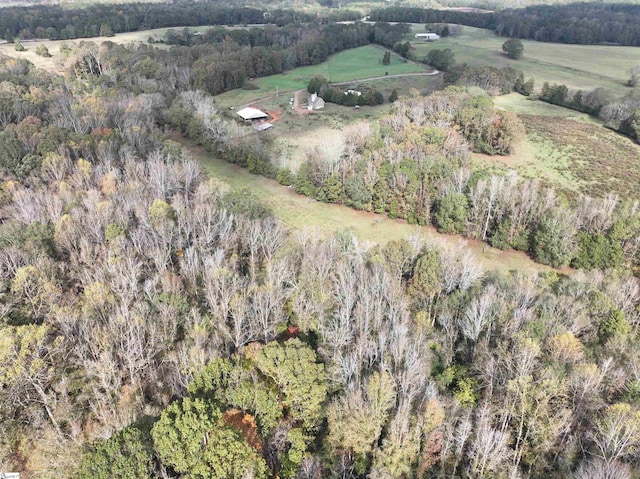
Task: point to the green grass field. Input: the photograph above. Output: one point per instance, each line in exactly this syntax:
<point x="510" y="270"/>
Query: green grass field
<point x="577" y="66"/>
<point x="349" y="65"/>
<point x="299" y="212"/>
<point x="568" y="150"/>
<point x="522" y="105"/>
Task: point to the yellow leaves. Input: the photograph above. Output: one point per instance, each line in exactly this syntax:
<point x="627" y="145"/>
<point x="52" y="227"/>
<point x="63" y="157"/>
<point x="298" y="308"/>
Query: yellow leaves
<point x="160" y="212"/>
<point x="65" y="189"/>
<point x="566" y="347"/>
<point x="34" y="288"/>
<point x="83" y="167"/>
<point x="27" y="278"/>
<point x="618" y="430"/>
<point x="96" y="296"/>
<point x="18" y="351"/>
<point x="63" y="226"/>
<point x="7" y="188"/>
<point x="433" y="416"/>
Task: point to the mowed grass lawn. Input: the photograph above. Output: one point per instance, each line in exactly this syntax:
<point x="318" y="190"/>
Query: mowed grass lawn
<point x="577" y="66"/>
<point x="349" y="65"/>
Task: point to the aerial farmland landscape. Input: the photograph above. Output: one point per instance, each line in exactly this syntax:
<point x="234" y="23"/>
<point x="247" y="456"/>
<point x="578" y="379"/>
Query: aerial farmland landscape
<point x="315" y="240"/>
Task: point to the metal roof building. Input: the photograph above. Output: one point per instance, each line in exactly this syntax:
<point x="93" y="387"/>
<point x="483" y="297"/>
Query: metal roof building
<point x="262" y="126"/>
<point x="249" y="113"/>
<point x="427" y="36"/>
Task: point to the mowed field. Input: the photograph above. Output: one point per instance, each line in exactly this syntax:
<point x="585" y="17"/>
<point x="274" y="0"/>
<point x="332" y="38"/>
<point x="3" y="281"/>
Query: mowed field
<point x="577" y="66"/>
<point x="568" y="150"/>
<point x="302" y="213"/>
<point x="346" y="66"/>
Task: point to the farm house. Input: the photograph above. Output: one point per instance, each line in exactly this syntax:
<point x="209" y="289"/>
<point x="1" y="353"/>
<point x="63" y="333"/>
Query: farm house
<point x="315" y="102"/>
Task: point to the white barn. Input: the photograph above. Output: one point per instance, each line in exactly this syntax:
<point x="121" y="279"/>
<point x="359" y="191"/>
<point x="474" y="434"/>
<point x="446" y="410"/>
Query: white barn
<point x="430" y="37"/>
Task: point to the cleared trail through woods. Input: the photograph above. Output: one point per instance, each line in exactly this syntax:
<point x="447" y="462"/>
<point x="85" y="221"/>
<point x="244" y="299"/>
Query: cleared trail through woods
<point x="301" y="212"/>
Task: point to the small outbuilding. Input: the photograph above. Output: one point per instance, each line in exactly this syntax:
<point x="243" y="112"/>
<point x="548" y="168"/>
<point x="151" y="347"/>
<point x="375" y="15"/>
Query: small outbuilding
<point x="262" y="126"/>
<point x="250" y="114"/>
<point x="430" y="37"/>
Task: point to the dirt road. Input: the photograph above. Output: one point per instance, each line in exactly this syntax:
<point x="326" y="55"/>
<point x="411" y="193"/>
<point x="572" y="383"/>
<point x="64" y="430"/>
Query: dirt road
<point x="399" y="75"/>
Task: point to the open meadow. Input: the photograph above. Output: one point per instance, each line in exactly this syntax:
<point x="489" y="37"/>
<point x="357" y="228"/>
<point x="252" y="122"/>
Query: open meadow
<point x="568" y="150"/>
<point x="577" y="66"/>
<point x="346" y="66"/>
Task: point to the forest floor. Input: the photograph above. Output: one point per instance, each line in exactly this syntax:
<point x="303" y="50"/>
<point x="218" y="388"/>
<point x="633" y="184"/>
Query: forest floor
<point x="302" y="213"/>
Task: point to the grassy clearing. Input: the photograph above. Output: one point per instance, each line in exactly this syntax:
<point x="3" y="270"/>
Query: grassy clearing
<point x="349" y="65"/>
<point x="568" y="150"/>
<point x="302" y="213"/>
<point x="522" y="105"/>
<point x="577" y="66"/>
<point x="601" y="160"/>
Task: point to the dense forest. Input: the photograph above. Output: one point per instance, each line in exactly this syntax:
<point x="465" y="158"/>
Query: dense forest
<point x="155" y="323"/>
<point x="581" y="23"/>
<point x="58" y="23"/>
<point x="220" y="60"/>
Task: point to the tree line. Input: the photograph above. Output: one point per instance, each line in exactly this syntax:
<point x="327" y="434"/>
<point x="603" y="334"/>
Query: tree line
<point x="621" y="114"/>
<point x="578" y="23"/>
<point x="416" y="167"/>
<point x="216" y="63"/>
<point x="61" y="23"/>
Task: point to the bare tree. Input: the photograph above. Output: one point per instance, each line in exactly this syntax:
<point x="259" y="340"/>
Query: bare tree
<point x="489" y="449"/>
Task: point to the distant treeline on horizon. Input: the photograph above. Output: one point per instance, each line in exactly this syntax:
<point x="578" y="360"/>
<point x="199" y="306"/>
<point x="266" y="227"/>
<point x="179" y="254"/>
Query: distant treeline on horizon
<point x="57" y="23"/>
<point x="578" y="23"/>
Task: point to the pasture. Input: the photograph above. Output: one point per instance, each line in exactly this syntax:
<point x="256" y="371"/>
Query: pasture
<point x="568" y="150"/>
<point x="346" y="66"/>
<point x="577" y="66"/>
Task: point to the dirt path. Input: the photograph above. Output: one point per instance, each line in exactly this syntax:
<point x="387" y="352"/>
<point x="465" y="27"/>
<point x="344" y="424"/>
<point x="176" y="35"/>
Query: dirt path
<point x="298" y="101"/>
<point x="398" y="75"/>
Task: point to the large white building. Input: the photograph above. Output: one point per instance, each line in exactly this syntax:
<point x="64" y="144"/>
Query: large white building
<point x="252" y="114"/>
<point x="430" y="37"/>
